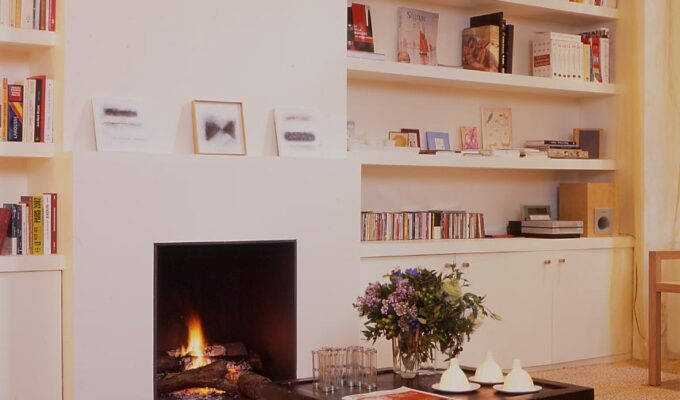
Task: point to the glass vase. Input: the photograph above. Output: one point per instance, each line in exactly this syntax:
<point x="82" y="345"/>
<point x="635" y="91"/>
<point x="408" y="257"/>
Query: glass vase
<point x="406" y="354"/>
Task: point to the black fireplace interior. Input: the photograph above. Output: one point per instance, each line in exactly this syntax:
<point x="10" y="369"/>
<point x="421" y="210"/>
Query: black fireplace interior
<point x="243" y="292"/>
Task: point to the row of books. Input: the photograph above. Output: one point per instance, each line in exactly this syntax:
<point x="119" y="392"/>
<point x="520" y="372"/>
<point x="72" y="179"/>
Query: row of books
<point x="28" y="14"/>
<point x="488" y="44"/>
<point x="578" y="57"/>
<point x="421" y="225"/>
<point x="603" y="3"/>
<point x="30" y="225"/>
<point x="27" y="110"/>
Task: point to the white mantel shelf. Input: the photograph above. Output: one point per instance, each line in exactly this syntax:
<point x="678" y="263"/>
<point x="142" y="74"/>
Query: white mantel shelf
<point x="561" y="11"/>
<point x="438" y="76"/>
<point x="13" y="39"/>
<point x="54" y="262"/>
<point x="403" y="248"/>
<point x="444" y="160"/>
<point x="26" y="150"/>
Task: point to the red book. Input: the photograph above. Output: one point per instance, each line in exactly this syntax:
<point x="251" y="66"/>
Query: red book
<point x="5" y="217"/>
<point x="53" y="227"/>
<point x="39" y="108"/>
<point x="363" y="29"/>
<point x="53" y="13"/>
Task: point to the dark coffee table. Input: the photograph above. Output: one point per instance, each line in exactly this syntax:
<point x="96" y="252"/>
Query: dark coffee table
<point x="304" y="390"/>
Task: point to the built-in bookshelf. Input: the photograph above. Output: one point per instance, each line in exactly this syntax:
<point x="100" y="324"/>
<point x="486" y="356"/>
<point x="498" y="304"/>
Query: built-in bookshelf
<point x="33" y="263"/>
<point x="453" y="78"/>
<point x="26" y="150"/>
<point x="14" y="39"/>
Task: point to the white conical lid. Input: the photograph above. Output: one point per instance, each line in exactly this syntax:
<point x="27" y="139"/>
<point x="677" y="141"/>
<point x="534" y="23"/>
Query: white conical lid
<point x="489" y="371"/>
<point x="518" y="379"/>
<point x="454" y="378"/>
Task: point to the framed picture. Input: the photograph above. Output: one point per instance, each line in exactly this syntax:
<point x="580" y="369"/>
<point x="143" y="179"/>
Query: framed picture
<point x="401" y="139"/>
<point x="218" y="127"/>
<point x="297" y="132"/>
<point x="589" y="140"/>
<point x="123" y="125"/>
<point x="413" y="137"/>
<point x="497" y="128"/>
<point x="469" y="138"/>
<point x="437" y="141"/>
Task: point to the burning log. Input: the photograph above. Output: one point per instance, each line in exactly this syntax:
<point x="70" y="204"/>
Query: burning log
<point x="165" y="363"/>
<point x="211" y="375"/>
<point x="251" y="385"/>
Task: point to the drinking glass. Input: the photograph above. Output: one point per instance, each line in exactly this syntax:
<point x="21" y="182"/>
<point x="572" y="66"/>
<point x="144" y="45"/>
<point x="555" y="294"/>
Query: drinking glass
<point x="369" y="379"/>
<point x="354" y="364"/>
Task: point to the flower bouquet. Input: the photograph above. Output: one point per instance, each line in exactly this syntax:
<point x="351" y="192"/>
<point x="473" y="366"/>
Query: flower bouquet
<point x="421" y="311"/>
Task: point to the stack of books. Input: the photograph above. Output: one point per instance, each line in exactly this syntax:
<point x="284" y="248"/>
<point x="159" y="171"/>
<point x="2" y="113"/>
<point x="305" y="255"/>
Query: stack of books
<point x="27" y="110"/>
<point x="578" y="57"/>
<point x="554" y="149"/>
<point x="421" y="225"/>
<point x="488" y="44"/>
<point x="602" y="3"/>
<point x="30" y="225"/>
<point x="28" y="14"/>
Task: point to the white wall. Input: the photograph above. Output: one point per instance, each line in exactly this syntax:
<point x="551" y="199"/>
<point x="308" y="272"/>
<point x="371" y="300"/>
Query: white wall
<point x="263" y="53"/>
<point x="126" y="203"/>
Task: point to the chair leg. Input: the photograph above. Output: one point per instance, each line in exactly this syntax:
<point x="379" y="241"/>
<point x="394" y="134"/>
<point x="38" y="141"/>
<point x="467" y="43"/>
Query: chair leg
<point x="654" y="338"/>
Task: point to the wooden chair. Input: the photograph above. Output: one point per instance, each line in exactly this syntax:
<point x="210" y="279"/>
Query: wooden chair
<point x="656" y="287"/>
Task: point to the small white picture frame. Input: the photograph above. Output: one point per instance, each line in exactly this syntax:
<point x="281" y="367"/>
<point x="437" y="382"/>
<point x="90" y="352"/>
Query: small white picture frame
<point x="219" y="127"/>
<point x="297" y="132"/>
<point x="122" y="124"/>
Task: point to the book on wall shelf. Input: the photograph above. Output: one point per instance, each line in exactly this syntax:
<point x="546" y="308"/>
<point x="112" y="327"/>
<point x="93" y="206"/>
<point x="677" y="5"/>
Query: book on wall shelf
<point x="417" y="36"/>
<point x="601" y="3"/>
<point x="576" y="57"/>
<point x="39" y="15"/>
<point x="27" y="110"/>
<point x="421" y="225"/>
<point x="32" y="227"/>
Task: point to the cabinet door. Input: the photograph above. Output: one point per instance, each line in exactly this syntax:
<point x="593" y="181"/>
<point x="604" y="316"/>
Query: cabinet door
<point x="30" y="335"/>
<point x="518" y="288"/>
<point x="592" y="304"/>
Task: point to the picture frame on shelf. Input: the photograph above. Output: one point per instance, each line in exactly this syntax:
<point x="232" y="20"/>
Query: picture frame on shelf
<point x="122" y="124"/>
<point x="401" y="139"/>
<point x="413" y="137"/>
<point x="469" y="138"/>
<point x="589" y="140"/>
<point x="438" y="141"/>
<point x="297" y="132"/>
<point x="219" y="127"/>
<point x="496" y="128"/>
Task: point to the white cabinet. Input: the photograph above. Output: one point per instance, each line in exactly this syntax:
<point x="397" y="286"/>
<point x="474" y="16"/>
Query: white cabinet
<point x="592" y="303"/>
<point x="557" y="306"/>
<point x="30" y="335"/>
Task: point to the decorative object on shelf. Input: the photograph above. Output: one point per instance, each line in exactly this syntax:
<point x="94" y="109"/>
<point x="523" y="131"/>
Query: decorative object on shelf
<point x="401" y="139"/>
<point x="481" y="50"/>
<point x="417" y="36"/>
<point x="123" y="125"/>
<point x="219" y="127"/>
<point x="413" y="137"/>
<point x="469" y="138"/>
<point x="421" y="311"/>
<point x="438" y="141"/>
<point x="589" y="140"/>
<point x="488" y="372"/>
<point x="297" y="132"/>
<point x="496" y="128"/>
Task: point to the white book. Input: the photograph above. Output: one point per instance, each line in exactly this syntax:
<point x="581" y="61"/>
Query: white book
<point x="36" y="14"/>
<point x="48" y="12"/>
<point x="27" y="14"/>
<point x="604" y="59"/>
<point x="47" y="224"/>
<point x="29" y="111"/>
<point x="557" y="36"/>
<point x="9" y="246"/>
<point x="49" y="110"/>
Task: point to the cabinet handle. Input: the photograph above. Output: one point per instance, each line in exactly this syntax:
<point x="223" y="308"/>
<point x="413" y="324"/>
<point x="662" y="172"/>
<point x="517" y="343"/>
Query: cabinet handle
<point x="466" y="265"/>
<point x="547" y="262"/>
<point x="561" y="260"/>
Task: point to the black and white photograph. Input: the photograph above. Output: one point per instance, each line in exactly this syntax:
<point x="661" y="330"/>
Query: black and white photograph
<point x="123" y="125"/>
<point x="218" y="127"/>
<point x="297" y="132"/>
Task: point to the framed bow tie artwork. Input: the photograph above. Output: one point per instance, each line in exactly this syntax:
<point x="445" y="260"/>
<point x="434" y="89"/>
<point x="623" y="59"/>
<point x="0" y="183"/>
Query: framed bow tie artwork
<point x="218" y="127"/>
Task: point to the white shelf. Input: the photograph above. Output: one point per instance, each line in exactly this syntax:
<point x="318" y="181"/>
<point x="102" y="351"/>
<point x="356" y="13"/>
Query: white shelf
<point x="26" y="150"/>
<point x="401" y="73"/>
<point x="53" y="262"/>
<point x="389" y="158"/>
<point x="403" y="248"/>
<point x="561" y="11"/>
<point x="26" y="39"/>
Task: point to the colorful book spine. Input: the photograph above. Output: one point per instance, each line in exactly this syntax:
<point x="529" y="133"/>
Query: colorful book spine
<point x="37" y="245"/>
<point x="15" y="98"/>
<point x="53" y="223"/>
<point x="4" y="115"/>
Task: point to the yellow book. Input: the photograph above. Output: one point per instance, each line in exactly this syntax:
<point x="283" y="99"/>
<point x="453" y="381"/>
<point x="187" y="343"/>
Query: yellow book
<point x="586" y="63"/>
<point x="37" y="222"/>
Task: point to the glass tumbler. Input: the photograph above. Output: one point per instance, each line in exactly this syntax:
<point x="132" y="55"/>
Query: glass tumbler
<point x="369" y="379"/>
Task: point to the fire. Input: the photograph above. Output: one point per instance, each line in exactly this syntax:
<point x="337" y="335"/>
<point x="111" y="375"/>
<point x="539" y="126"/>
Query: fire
<point x="196" y="346"/>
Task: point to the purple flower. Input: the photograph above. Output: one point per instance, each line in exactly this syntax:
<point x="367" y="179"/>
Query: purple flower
<point x="414" y="272"/>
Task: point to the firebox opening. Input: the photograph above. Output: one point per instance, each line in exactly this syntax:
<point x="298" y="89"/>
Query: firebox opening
<point x="233" y="301"/>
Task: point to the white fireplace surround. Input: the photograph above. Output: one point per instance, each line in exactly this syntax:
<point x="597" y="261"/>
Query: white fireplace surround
<point x="124" y="203"/>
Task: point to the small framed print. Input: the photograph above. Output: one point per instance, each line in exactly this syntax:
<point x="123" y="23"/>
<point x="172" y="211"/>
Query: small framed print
<point x="413" y="137"/>
<point x="297" y="132"/>
<point x="437" y="141"/>
<point x="497" y="128"/>
<point x="218" y="127"/>
<point x="589" y="140"/>
<point x="469" y="138"/>
<point x="400" y="139"/>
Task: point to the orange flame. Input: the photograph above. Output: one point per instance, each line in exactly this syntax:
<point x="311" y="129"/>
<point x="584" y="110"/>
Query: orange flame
<point x="196" y="345"/>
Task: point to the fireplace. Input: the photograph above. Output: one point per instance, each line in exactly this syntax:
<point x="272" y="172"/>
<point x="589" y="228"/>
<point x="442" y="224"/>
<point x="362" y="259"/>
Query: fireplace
<point x="223" y="311"/>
